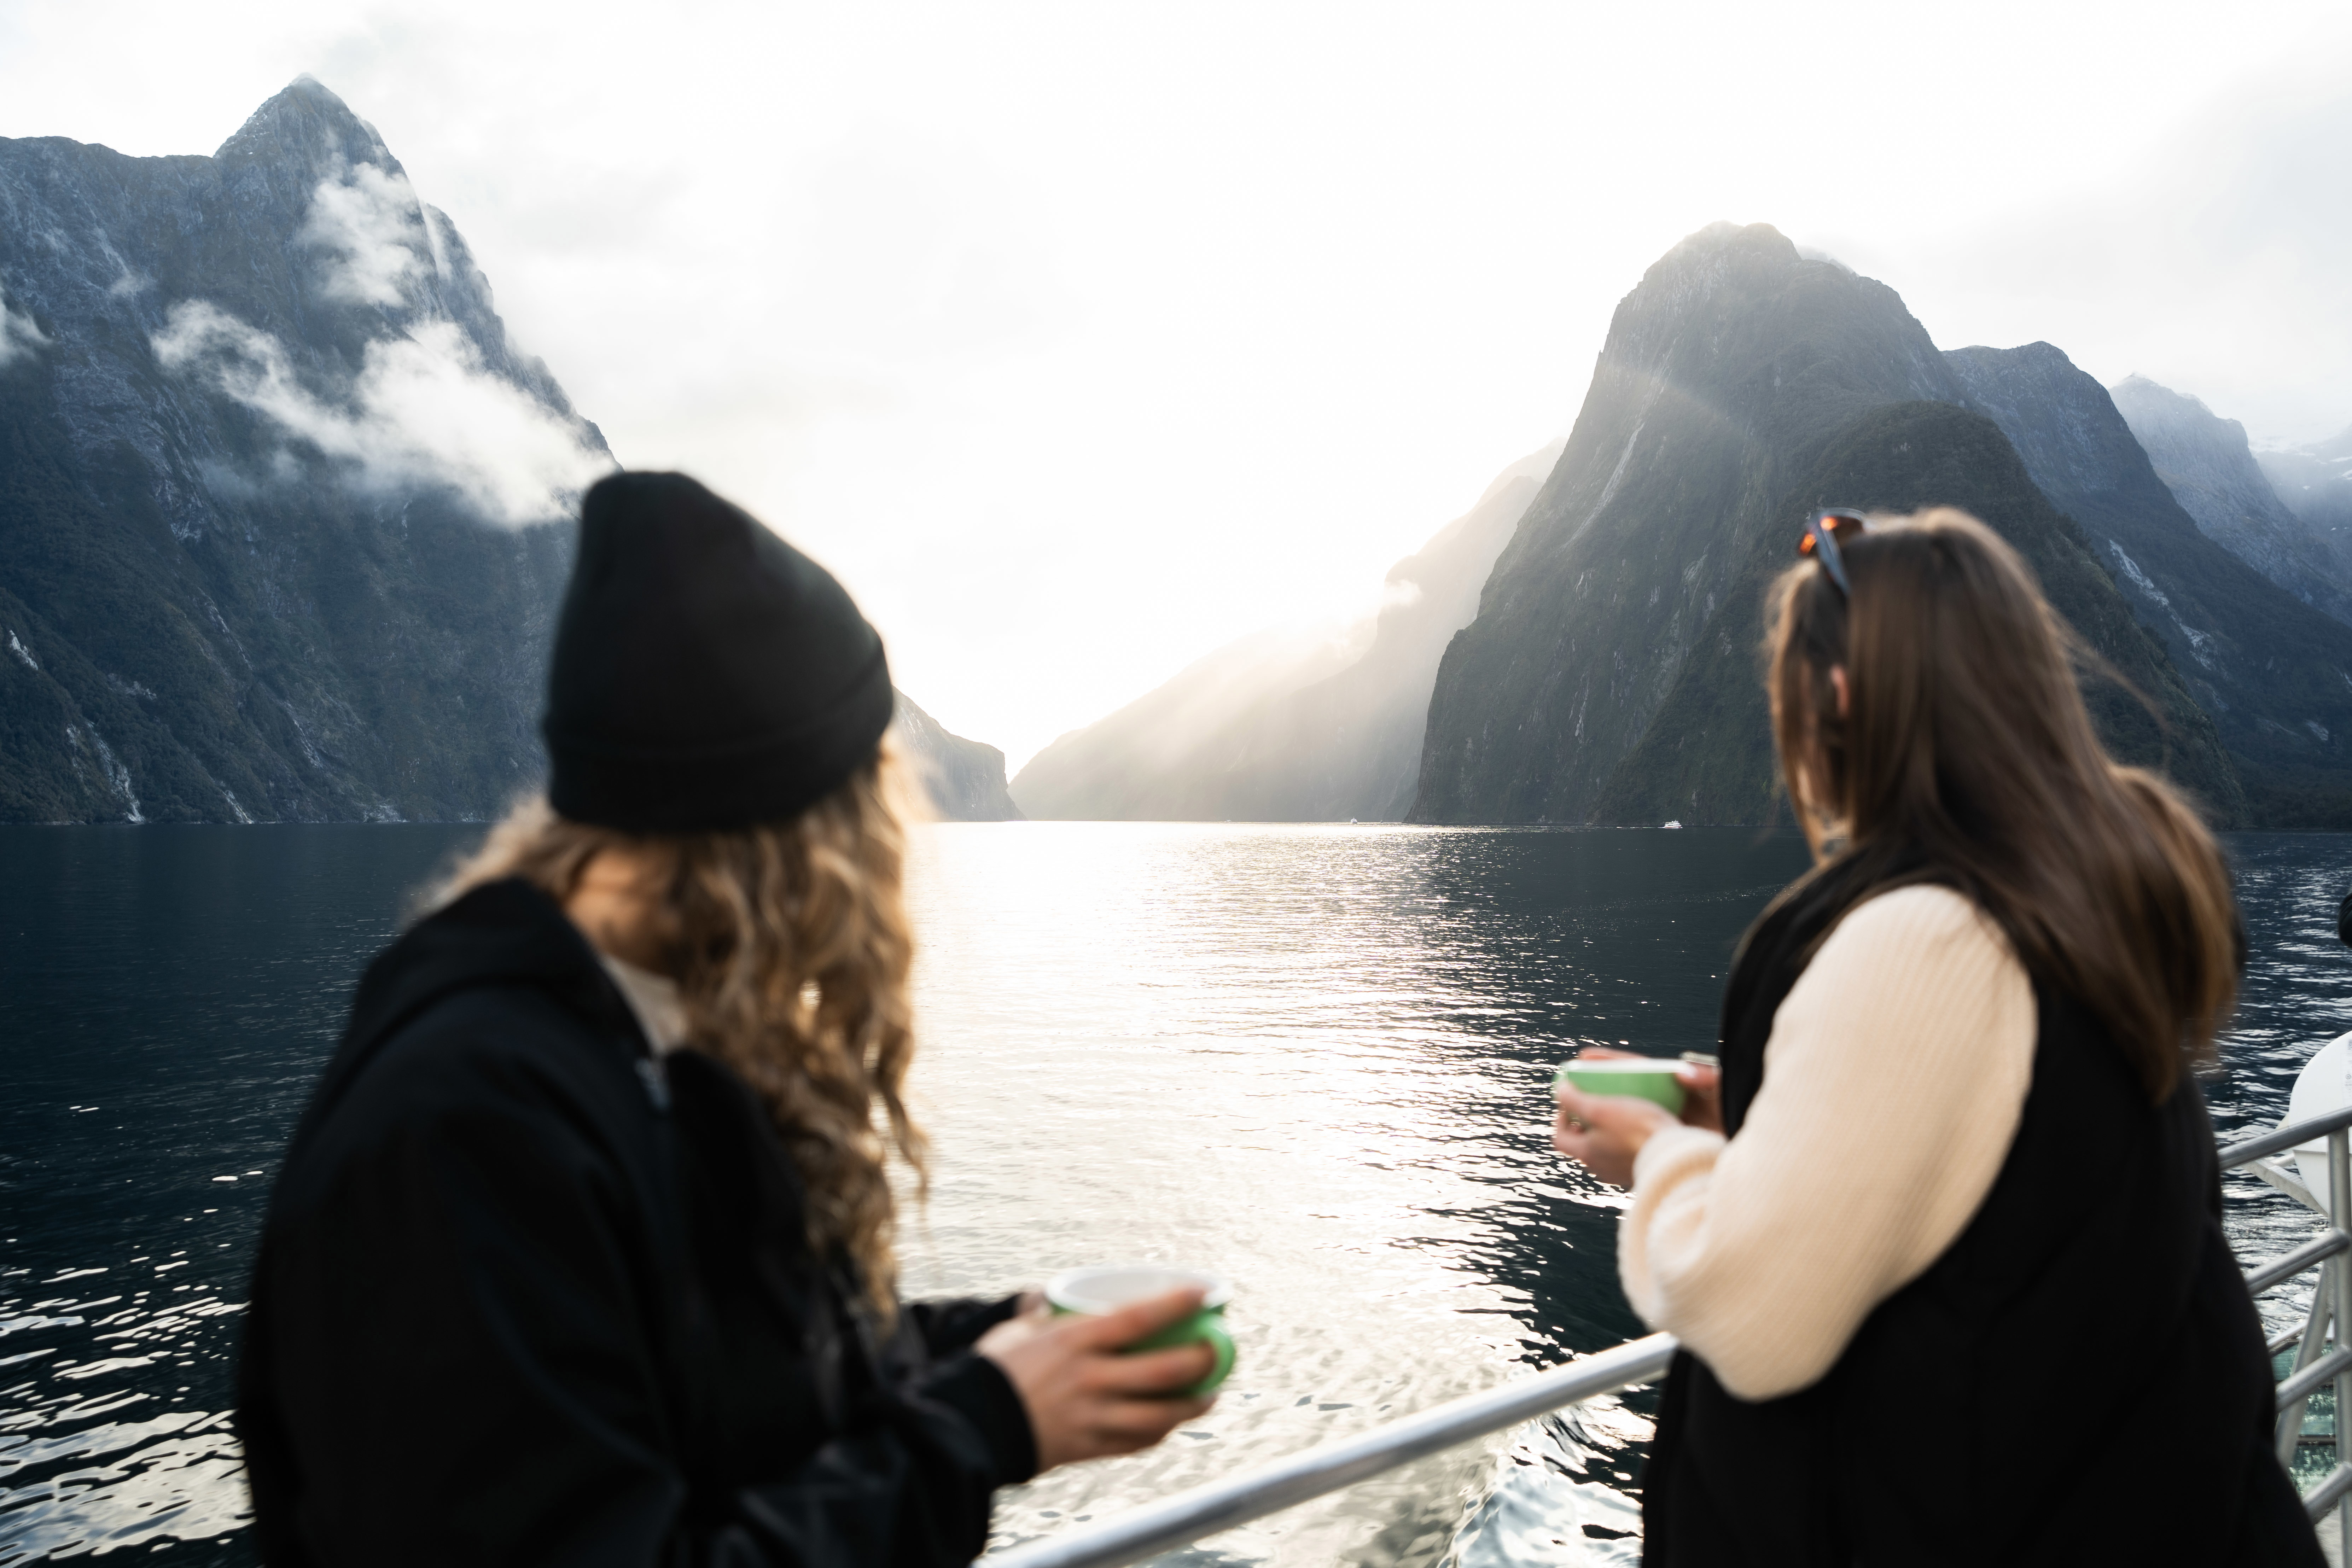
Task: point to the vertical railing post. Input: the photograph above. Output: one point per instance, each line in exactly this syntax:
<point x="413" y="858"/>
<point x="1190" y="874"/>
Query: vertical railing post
<point x="2309" y="1348"/>
<point x="2339" y="1275"/>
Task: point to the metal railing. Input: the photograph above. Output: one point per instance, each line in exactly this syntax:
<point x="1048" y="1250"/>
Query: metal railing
<point x="1171" y="1521"/>
<point x="2315" y="1365"/>
<point x="1185" y="1517"/>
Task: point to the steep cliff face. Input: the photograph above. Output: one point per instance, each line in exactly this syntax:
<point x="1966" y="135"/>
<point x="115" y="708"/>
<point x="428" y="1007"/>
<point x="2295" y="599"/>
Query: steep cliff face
<point x="2274" y="674"/>
<point x="275" y="487"/>
<point x="1707" y="758"/>
<point x="965" y="779"/>
<point x="2205" y="461"/>
<point x="1308" y="746"/>
<point x="1722" y="376"/>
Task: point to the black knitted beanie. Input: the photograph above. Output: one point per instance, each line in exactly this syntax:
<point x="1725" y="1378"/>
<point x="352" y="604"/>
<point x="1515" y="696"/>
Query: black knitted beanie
<point x="707" y="675"/>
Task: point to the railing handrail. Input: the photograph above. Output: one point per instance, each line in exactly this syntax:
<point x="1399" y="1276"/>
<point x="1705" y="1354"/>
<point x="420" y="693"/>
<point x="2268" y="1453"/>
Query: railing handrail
<point x="1136" y="1533"/>
<point x="1155" y="1526"/>
<point x="2318" y="1249"/>
<point x="2246" y="1151"/>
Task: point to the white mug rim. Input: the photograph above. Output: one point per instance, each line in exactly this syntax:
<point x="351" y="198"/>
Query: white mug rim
<point x="1065" y="1290"/>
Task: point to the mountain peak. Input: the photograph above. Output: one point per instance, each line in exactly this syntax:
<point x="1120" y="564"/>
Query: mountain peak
<point x="1724" y="371"/>
<point x="1722" y="242"/>
<point x="1981" y="366"/>
<point x="307" y="125"/>
<point x="1725" y="234"/>
<point x="2154" y="397"/>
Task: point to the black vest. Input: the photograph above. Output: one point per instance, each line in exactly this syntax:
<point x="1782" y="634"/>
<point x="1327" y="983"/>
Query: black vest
<point x="2080" y="1378"/>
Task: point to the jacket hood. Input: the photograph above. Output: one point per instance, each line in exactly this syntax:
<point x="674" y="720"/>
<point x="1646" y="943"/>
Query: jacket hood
<point x="501" y="934"/>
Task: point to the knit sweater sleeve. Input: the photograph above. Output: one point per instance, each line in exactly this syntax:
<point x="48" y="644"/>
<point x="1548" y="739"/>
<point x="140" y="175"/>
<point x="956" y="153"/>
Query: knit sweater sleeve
<point x="1894" y="1079"/>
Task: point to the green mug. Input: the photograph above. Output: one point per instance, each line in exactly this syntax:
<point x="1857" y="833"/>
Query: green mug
<point x="1647" y="1078"/>
<point x="1093" y="1292"/>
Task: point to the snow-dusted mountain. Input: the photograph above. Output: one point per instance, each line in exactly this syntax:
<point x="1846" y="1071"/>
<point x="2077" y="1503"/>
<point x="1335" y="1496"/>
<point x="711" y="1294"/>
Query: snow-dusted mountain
<point x="276" y="490"/>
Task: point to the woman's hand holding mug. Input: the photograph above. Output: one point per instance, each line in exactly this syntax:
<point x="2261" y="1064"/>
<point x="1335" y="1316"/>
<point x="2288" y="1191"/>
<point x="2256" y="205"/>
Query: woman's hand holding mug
<point x="1605" y="1132"/>
<point x="1086" y="1399"/>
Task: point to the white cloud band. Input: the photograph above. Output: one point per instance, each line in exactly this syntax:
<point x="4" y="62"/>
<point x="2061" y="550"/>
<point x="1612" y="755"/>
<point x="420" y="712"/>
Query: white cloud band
<point x="19" y="335"/>
<point x="422" y="413"/>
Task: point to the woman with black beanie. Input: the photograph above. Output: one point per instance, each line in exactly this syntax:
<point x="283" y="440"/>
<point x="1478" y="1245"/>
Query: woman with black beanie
<point x="582" y="1252"/>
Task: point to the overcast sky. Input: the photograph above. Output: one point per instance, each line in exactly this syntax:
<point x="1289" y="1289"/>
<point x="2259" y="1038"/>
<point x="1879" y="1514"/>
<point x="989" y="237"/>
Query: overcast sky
<point x="1081" y="338"/>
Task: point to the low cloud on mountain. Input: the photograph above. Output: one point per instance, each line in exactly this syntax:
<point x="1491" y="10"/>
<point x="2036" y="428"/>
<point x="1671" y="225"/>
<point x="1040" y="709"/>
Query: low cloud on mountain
<point x="19" y="336"/>
<point x="422" y="413"/>
<point x="372" y="236"/>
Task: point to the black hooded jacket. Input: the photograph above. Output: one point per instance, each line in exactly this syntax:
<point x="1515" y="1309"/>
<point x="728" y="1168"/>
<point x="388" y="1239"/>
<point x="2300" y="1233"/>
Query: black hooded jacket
<point x="527" y="1294"/>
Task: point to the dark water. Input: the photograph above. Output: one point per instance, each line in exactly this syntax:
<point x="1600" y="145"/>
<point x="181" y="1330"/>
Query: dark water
<point x="1312" y="1058"/>
<point x="166" y="995"/>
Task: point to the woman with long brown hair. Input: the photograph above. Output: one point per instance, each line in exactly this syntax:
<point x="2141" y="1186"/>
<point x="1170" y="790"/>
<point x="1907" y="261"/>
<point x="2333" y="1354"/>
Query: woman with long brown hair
<point x="582" y="1252"/>
<point x="1943" y="1243"/>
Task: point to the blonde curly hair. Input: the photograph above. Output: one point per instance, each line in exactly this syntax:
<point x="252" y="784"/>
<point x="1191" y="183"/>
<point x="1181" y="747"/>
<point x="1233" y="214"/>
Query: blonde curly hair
<point x="790" y="949"/>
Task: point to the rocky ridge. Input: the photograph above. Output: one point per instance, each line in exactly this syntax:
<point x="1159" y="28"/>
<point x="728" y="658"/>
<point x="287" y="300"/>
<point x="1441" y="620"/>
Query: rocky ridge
<point x="2273" y="673"/>
<point x="2206" y="463"/>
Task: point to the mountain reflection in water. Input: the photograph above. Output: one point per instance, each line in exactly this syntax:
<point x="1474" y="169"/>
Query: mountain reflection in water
<point x="1314" y="1059"/>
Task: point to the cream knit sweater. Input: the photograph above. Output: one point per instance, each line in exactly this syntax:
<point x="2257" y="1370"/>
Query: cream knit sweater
<point x="1895" y="1075"/>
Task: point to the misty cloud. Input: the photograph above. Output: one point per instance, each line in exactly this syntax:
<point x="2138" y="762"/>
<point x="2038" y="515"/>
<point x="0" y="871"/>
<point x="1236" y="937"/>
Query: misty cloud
<point x="370" y="231"/>
<point x="2213" y="263"/>
<point x="422" y="413"/>
<point x="19" y="337"/>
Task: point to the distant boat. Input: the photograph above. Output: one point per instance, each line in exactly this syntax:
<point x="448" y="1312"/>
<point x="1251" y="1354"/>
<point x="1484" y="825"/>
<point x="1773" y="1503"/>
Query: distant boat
<point x="1674" y="824"/>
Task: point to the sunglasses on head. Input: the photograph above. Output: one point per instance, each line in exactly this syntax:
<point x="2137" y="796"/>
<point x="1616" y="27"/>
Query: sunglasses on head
<point x="1825" y="530"/>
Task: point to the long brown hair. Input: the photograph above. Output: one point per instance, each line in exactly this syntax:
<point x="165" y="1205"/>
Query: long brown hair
<point x="791" y="948"/>
<point x="1966" y="755"/>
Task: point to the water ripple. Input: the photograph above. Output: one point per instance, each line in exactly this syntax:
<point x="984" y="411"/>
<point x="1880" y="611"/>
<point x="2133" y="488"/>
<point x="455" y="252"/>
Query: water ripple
<point x="1312" y="1058"/>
